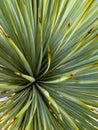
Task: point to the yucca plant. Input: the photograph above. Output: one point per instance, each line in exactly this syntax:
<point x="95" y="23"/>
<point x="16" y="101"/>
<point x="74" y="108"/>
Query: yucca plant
<point x="48" y="65"/>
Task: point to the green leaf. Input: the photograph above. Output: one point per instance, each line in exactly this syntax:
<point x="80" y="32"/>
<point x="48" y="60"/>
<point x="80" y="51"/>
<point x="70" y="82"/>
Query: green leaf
<point x="48" y="65"/>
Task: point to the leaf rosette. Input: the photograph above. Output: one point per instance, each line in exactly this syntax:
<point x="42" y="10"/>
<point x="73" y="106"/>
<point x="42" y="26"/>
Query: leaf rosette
<point x="48" y="65"/>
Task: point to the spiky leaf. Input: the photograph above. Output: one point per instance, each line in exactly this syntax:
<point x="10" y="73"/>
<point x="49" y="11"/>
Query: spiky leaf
<point x="48" y="65"/>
